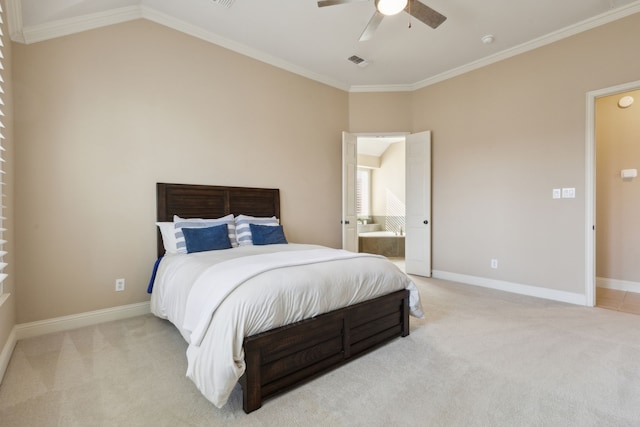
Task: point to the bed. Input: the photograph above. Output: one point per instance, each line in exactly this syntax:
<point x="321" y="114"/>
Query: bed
<point x="303" y="337"/>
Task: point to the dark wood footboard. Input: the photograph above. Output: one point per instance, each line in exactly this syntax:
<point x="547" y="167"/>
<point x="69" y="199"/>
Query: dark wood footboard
<point x="282" y="358"/>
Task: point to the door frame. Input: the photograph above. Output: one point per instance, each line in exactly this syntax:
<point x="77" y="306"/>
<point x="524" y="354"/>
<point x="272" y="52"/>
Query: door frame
<point x="590" y="185"/>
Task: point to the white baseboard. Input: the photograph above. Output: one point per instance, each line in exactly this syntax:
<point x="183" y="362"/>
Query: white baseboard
<point x="6" y="353"/>
<point x="619" y="285"/>
<point x="516" y="288"/>
<point x="65" y="323"/>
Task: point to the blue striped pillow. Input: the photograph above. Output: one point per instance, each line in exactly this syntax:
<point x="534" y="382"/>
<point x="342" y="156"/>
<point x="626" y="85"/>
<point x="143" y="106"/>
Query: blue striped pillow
<point x="180" y="223"/>
<point x="243" y="230"/>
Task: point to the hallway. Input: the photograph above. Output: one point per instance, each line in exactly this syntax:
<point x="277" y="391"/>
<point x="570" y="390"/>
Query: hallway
<point x="612" y="299"/>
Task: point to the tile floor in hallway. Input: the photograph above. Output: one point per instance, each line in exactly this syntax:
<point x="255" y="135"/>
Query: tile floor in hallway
<point x="613" y="299"/>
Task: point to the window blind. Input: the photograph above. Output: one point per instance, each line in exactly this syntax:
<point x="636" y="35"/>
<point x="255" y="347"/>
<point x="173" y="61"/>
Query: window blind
<point x="363" y="193"/>
<point x="3" y="252"/>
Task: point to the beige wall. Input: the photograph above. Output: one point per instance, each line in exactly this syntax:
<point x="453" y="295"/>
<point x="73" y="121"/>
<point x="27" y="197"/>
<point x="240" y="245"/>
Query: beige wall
<point x="503" y="137"/>
<point x="368" y="161"/>
<point x="380" y="112"/>
<point x="103" y="115"/>
<point x="617" y="199"/>
<point x="7" y="309"/>
<point x="388" y="182"/>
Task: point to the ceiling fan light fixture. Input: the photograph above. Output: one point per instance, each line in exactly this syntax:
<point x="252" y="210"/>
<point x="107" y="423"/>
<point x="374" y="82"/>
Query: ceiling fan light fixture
<point x="391" y="7"/>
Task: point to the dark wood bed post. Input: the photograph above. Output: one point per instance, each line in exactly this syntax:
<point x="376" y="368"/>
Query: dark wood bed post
<point x="405" y="316"/>
<point x="250" y="381"/>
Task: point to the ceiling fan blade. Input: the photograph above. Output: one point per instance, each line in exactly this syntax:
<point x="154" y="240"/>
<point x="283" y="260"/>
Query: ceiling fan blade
<point x="424" y="13"/>
<point x="372" y="26"/>
<point x="323" y="3"/>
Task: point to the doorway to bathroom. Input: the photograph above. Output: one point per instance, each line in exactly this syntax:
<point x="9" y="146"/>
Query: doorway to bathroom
<point x="380" y="196"/>
<point x="387" y="197"/>
<point x="614" y="202"/>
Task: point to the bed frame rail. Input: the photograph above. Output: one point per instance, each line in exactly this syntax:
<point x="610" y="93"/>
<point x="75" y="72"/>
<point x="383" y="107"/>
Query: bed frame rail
<point x="282" y="358"/>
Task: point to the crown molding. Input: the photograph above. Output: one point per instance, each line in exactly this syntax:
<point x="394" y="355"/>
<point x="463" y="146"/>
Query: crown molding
<point x="14" y="20"/>
<point x="587" y="24"/>
<point x="195" y="31"/>
<point x="37" y="33"/>
<point x="383" y="88"/>
<point x="65" y="27"/>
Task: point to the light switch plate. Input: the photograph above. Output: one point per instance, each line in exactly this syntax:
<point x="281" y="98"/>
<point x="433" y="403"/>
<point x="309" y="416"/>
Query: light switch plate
<point x="557" y="193"/>
<point x="568" y="193"/>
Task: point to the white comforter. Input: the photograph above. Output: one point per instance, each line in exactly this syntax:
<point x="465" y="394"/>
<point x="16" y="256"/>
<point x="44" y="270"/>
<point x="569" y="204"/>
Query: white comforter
<point x="215" y="308"/>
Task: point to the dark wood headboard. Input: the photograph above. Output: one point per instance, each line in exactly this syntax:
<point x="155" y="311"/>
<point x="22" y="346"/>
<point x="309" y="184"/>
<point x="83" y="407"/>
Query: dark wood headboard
<point x="212" y="201"/>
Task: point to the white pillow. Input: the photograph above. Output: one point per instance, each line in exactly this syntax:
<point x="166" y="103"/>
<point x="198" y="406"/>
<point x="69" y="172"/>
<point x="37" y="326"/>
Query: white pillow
<point x="168" y="232"/>
<point x="243" y="231"/>
<point x="180" y="223"/>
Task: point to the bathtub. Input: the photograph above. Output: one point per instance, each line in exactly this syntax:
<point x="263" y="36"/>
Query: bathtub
<point x="385" y="243"/>
<point x="378" y="234"/>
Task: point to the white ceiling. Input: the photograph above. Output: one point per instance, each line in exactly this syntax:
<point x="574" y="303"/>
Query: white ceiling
<point x="376" y="145"/>
<point x="315" y="42"/>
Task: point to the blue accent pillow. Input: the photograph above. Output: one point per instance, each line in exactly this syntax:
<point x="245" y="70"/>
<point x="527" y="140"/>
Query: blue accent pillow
<point x="180" y="223"/>
<point x="267" y="234"/>
<point x="243" y="231"/>
<point x="207" y="239"/>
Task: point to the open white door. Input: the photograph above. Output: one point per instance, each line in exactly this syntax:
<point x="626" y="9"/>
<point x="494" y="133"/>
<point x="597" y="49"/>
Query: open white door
<point x="418" y="204"/>
<point x="349" y="170"/>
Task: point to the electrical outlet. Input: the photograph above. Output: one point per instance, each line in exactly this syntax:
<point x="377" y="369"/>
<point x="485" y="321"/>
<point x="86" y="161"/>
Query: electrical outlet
<point x="119" y="285"/>
<point x="494" y="263"/>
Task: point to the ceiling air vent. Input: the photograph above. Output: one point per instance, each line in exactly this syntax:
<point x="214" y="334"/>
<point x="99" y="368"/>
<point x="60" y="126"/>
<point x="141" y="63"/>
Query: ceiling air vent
<point x="360" y="62"/>
<point x="226" y="3"/>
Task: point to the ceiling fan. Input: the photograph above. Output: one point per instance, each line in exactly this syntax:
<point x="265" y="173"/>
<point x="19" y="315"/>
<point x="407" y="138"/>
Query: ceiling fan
<point x="392" y="7"/>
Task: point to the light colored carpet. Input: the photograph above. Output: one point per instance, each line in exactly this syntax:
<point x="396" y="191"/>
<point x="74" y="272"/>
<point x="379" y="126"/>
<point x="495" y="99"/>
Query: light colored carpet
<point x="481" y="358"/>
